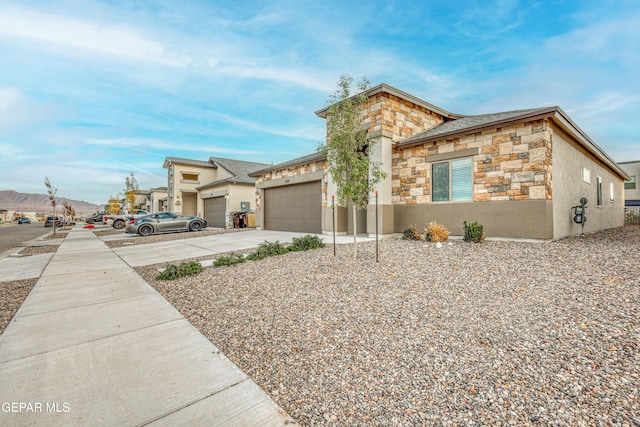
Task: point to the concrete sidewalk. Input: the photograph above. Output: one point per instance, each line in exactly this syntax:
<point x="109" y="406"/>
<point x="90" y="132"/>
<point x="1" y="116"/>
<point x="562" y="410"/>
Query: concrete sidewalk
<point x="94" y="344"/>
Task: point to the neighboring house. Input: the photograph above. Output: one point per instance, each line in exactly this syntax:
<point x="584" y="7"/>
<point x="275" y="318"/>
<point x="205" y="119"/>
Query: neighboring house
<point x="631" y="188"/>
<point x="157" y="201"/>
<point x="518" y="173"/>
<point x="212" y="189"/>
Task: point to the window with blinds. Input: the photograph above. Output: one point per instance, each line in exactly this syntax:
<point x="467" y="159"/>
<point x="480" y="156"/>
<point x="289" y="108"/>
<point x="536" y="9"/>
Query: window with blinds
<point x="452" y="180"/>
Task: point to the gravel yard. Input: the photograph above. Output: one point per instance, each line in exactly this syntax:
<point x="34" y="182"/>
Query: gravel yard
<point x="34" y="250"/>
<point x="472" y="334"/>
<point x="12" y="294"/>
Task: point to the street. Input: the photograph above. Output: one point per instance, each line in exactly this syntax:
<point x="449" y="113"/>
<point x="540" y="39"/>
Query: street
<point x="12" y="235"/>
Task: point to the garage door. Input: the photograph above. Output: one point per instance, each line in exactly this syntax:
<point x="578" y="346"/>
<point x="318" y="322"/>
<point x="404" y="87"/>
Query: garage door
<point x="214" y="211"/>
<point x="294" y="208"/>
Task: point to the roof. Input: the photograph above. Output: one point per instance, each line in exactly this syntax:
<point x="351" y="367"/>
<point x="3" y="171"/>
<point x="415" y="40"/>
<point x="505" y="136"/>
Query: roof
<point x="158" y="189"/>
<point x="309" y="158"/>
<point x="471" y="124"/>
<point x="238" y="168"/>
<point x="385" y="88"/>
<point x="190" y="162"/>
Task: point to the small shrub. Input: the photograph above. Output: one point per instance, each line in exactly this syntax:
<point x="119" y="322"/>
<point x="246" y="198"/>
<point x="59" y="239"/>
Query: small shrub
<point x="435" y="232"/>
<point x="172" y="271"/>
<point x="267" y="249"/>
<point x="231" y="259"/>
<point x="411" y="233"/>
<point x="473" y="232"/>
<point x="305" y="243"/>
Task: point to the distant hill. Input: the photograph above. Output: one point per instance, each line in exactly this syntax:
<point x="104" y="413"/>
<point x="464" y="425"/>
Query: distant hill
<point x="25" y="202"/>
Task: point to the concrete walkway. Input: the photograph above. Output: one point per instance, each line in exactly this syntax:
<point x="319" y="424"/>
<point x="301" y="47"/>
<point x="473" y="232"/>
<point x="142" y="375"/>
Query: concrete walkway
<point x="94" y="344"/>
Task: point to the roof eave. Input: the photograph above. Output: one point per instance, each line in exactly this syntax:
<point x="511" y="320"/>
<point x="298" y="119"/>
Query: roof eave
<point x="565" y="122"/>
<point x="305" y="160"/>
<point x="383" y="87"/>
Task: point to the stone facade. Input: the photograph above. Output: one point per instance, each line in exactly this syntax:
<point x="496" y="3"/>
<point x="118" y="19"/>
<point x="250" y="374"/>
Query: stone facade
<point x="398" y="117"/>
<point x="513" y="163"/>
<point x="292" y="171"/>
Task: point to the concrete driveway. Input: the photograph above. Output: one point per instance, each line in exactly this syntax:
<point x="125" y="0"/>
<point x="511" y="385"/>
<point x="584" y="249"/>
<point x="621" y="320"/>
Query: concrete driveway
<point x="155" y="253"/>
<point x="29" y="267"/>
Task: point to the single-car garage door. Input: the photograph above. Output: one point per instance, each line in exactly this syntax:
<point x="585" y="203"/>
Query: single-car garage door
<point x="214" y="211"/>
<point x="295" y="207"/>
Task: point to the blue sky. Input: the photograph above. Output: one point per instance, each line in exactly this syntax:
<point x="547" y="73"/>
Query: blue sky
<point x="91" y="91"/>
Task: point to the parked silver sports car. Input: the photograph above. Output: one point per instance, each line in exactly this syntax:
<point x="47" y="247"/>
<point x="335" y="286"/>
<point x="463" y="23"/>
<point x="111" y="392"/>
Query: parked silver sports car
<point x="164" y="222"/>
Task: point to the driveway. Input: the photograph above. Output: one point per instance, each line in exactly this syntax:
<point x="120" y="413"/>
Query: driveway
<point x="155" y="253"/>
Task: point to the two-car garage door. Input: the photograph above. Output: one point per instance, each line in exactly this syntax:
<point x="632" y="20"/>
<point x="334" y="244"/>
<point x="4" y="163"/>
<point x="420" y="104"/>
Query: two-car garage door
<point x="295" y="207"/>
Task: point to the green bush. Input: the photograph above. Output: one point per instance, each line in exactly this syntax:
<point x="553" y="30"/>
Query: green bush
<point x="231" y="259"/>
<point x="267" y="249"/>
<point x="411" y="233"/>
<point x="473" y="232"/>
<point x="172" y="271"/>
<point x="305" y="243"/>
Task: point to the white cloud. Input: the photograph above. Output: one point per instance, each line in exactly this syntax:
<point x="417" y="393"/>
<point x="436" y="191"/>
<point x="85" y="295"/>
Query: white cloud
<point x="89" y="36"/>
<point x="146" y="145"/>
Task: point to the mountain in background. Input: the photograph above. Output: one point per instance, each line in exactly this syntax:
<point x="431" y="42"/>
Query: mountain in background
<point x="24" y="202"/>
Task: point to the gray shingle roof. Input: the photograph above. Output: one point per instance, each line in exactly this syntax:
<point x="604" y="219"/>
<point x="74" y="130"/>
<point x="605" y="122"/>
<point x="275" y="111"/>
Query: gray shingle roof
<point x="469" y="124"/>
<point x="309" y="158"/>
<point x="238" y="168"/>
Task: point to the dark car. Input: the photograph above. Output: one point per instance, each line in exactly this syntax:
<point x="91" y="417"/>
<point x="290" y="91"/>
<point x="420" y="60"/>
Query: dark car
<point x="49" y="222"/>
<point x="96" y="219"/>
<point x="24" y="220"/>
<point x="164" y="222"/>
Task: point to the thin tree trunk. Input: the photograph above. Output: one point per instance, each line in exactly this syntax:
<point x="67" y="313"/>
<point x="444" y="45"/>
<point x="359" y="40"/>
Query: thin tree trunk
<point x="355" y="226"/>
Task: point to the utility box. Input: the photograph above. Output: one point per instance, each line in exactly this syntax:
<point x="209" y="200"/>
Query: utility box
<point x="245" y="206"/>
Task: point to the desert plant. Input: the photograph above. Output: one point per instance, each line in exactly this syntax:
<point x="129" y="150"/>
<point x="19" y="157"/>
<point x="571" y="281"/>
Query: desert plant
<point x="473" y="232"/>
<point x="411" y="233"/>
<point x="172" y="271"/>
<point x="435" y="232"/>
<point x="305" y="243"/>
<point x="267" y="249"/>
<point x="231" y="259"/>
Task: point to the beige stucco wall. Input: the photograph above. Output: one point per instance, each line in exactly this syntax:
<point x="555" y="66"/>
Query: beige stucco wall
<point x="175" y="182"/>
<point x="569" y="187"/>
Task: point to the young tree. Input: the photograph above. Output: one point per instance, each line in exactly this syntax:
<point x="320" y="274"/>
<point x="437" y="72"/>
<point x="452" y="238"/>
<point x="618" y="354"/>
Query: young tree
<point x="113" y="207"/>
<point x="52" y="197"/>
<point x="68" y="212"/>
<point x="130" y="188"/>
<point x="348" y="148"/>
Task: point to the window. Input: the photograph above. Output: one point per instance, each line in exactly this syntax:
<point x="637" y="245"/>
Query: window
<point x="452" y="180"/>
<point x="631" y="184"/>
<point x="586" y="175"/>
<point x="599" y="190"/>
<point x="611" y="192"/>
<point x="189" y="176"/>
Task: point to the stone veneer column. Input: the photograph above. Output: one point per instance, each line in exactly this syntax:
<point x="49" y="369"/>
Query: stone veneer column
<point x="382" y="154"/>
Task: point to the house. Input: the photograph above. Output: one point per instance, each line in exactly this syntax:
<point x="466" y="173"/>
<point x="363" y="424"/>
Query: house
<point x="157" y="201"/>
<point x="631" y="189"/>
<point x="211" y="189"/>
<point x="518" y="173"/>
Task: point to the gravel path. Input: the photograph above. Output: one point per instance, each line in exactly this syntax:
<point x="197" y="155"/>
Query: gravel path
<point x="471" y="334"/>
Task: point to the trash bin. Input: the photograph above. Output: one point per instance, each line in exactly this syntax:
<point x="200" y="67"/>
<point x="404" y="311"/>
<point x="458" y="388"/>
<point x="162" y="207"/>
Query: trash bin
<point x="239" y="220"/>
